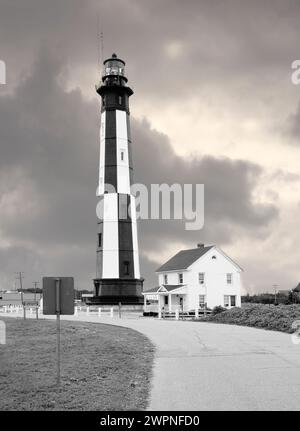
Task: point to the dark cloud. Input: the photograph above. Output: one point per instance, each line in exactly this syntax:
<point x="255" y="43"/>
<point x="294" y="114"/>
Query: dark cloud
<point x="223" y="42"/>
<point x="48" y="168"/>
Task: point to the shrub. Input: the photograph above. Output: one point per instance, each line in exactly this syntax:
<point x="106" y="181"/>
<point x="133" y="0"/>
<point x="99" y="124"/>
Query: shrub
<point x="279" y="318"/>
<point x="218" y="309"/>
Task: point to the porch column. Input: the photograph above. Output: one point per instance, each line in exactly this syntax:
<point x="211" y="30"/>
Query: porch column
<point x="170" y="302"/>
<point x="159" y="302"/>
<point x="145" y="303"/>
<point x="159" y="306"/>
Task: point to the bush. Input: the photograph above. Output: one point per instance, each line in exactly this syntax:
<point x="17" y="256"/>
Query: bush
<point x="278" y="318"/>
<point x="218" y="309"/>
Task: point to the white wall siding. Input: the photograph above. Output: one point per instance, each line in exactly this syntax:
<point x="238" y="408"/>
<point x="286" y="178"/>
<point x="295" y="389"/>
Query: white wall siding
<point x="123" y="179"/>
<point x="173" y="277"/>
<point x="110" y="237"/>
<point x="136" y="261"/>
<point x="102" y="154"/>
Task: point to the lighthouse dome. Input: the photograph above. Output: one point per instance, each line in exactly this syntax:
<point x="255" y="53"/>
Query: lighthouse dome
<point x="114" y="66"/>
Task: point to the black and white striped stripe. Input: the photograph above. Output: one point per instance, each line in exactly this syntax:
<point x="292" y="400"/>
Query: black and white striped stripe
<point x="117" y="255"/>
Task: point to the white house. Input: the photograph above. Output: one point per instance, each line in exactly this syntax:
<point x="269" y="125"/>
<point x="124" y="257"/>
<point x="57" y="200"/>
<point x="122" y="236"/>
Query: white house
<point x="197" y="278"/>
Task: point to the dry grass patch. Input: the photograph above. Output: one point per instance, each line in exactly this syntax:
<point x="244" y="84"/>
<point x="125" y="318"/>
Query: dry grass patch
<point x="103" y="367"/>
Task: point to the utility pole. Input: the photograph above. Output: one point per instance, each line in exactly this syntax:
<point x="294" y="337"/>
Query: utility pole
<point x="35" y="283"/>
<point x="20" y="277"/>
<point x="275" y="286"/>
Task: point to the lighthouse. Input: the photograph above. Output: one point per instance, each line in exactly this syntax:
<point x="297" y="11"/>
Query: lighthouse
<point x="118" y="277"/>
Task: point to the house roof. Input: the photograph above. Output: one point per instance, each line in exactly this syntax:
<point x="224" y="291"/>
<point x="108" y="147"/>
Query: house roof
<point x="167" y="287"/>
<point x="170" y="287"/>
<point x="154" y="289"/>
<point x="183" y="259"/>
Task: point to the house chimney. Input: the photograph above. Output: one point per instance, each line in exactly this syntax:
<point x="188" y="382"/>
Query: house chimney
<point x="199" y="245"/>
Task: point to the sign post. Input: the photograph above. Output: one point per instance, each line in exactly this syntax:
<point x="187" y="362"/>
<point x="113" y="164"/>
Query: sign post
<point x="58" y="299"/>
<point x="57" y="292"/>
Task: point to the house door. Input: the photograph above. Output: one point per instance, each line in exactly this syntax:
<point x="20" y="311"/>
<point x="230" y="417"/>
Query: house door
<point x="166" y="300"/>
<point x="232" y="301"/>
<point x="181" y="303"/>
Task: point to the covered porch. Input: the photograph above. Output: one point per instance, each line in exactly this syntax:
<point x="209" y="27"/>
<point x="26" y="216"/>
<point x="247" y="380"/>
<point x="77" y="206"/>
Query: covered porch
<point x="166" y="298"/>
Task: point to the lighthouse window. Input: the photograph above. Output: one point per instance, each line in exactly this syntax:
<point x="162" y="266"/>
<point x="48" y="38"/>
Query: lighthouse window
<point x="126" y="267"/>
<point x="120" y="100"/>
<point x="122" y="156"/>
<point x="99" y="239"/>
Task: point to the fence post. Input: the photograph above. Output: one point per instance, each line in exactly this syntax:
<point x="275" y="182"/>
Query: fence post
<point x="99" y="312"/>
<point x="177" y="314"/>
<point x="76" y="311"/>
<point x="196" y="313"/>
<point x="112" y="312"/>
<point x="87" y="310"/>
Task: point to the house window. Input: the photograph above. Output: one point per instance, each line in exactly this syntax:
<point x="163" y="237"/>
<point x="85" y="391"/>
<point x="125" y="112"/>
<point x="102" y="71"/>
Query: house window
<point x="229" y="278"/>
<point x="201" y="277"/>
<point x="165" y="279"/>
<point x="99" y="239"/>
<point x="201" y="301"/>
<point x="226" y="300"/>
<point x="126" y="267"/>
<point x="180" y="278"/>
<point x="214" y="257"/>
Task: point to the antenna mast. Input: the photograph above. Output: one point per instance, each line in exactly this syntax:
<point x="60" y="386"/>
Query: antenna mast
<point x="100" y="43"/>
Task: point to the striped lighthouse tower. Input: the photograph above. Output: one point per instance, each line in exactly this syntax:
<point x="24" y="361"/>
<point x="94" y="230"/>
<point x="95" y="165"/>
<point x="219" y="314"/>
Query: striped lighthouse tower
<point x="118" y="272"/>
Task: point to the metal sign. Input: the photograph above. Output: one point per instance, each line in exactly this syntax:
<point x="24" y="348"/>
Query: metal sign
<point x="58" y="295"/>
<point x="58" y="298"/>
<point x="31" y="303"/>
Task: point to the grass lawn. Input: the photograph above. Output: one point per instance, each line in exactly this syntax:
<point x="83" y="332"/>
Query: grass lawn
<point x="103" y="367"/>
<point x="277" y="318"/>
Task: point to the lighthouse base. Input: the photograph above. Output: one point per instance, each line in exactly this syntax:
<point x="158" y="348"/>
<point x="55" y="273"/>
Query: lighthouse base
<point x="110" y="291"/>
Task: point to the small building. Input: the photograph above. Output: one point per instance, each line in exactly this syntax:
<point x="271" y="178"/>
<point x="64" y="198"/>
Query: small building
<point x="198" y="278"/>
<point x="86" y="297"/>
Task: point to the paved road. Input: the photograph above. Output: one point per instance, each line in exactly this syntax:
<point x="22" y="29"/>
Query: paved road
<point x="206" y="366"/>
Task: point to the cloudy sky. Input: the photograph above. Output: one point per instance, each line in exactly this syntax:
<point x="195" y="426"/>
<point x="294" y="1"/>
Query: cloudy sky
<point x="214" y="104"/>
